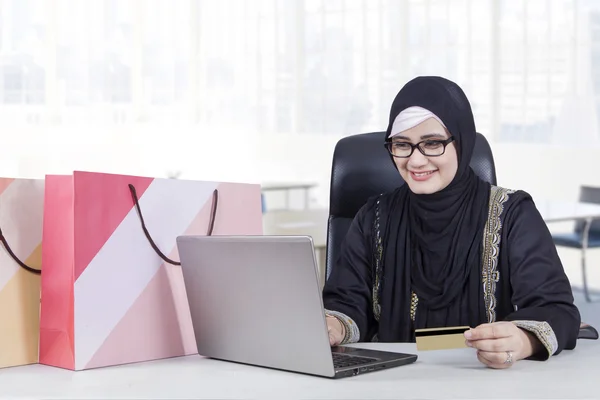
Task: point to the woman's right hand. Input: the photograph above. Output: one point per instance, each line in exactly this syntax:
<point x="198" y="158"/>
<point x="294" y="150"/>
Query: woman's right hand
<point x="335" y="330"/>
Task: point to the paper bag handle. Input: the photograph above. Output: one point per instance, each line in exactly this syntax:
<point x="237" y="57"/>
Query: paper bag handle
<point x="14" y="257"/>
<point x="213" y="212"/>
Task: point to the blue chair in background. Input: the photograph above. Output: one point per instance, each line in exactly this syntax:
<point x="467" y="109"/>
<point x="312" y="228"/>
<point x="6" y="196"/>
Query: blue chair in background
<point x="586" y="234"/>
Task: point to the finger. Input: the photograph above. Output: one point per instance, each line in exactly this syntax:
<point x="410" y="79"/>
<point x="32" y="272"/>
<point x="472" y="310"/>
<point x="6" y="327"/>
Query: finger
<point x="332" y="339"/>
<point x="494" y="345"/>
<point x="483" y="360"/>
<point x="488" y="331"/>
<point x="488" y="363"/>
<point x="493" y="359"/>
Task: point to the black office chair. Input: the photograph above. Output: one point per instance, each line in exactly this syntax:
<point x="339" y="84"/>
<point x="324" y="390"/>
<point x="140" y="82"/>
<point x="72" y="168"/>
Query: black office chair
<point x="586" y="234"/>
<point x="362" y="168"/>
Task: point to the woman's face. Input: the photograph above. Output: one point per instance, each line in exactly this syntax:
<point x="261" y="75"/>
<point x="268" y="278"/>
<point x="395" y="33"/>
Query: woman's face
<point x="426" y="174"/>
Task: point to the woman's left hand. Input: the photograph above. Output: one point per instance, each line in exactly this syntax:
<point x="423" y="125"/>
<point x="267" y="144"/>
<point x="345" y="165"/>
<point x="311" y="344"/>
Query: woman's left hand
<point x="501" y="344"/>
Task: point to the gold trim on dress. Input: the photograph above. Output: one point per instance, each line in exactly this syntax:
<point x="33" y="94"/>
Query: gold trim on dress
<point x="543" y="331"/>
<point x="378" y="262"/>
<point x="414" y="302"/>
<point x="491" y="248"/>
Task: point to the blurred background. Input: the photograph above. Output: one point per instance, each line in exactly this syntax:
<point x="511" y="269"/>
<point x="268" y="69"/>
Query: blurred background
<point x="261" y="90"/>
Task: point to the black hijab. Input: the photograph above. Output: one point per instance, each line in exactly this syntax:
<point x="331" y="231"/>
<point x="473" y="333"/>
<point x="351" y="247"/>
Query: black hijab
<point x="432" y="242"/>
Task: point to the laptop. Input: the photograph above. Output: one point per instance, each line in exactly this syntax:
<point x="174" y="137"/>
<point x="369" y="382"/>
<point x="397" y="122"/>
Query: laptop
<point x="256" y="300"/>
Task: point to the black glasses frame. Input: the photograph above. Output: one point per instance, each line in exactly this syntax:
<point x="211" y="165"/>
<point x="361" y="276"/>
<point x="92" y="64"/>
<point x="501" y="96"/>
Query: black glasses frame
<point x="388" y="145"/>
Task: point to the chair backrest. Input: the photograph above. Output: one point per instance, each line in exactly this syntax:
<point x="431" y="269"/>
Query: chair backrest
<point x="589" y="194"/>
<point x="362" y="168"/>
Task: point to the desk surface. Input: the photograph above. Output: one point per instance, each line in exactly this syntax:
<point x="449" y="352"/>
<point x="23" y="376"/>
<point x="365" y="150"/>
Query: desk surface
<point x="437" y="374"/>
<point x="554" y="211"/>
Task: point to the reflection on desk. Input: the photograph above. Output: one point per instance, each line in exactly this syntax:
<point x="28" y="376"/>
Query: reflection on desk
<point x="435" y="375"/>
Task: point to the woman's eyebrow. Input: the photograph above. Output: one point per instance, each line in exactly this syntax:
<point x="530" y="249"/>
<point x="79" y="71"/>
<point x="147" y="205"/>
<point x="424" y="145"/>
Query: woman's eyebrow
<point x="433" y="135"/>
<point x="426" y="136"/>
<point x="400" y="137"/>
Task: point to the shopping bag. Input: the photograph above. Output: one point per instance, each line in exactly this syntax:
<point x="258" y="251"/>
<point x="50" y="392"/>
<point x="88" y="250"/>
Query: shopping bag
<point x="21" y="215"/>
<point x="112" y="289"/>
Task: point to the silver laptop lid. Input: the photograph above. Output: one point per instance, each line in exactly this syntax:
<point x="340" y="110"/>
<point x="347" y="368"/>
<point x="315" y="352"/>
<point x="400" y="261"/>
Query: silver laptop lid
<point x="256" y="300"/>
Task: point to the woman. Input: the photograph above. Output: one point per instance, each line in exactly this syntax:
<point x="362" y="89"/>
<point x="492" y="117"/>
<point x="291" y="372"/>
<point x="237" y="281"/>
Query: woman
<point x="448" y="249"/>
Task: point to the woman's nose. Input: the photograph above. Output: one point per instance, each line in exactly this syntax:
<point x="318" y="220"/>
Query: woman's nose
<point x="417" y="159"/>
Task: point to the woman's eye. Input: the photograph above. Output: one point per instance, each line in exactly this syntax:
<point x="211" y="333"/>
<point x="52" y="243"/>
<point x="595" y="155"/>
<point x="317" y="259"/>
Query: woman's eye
<point x="432" y="144"/>
<point x="402" y="146"/>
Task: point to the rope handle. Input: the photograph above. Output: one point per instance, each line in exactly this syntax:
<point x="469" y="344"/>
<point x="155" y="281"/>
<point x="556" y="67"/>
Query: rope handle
<point x="213" y="213"/>
<point x="14" y="257"/>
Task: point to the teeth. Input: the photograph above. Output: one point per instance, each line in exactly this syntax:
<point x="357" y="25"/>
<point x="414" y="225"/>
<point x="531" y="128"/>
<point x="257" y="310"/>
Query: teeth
<point x="423" y="173"/>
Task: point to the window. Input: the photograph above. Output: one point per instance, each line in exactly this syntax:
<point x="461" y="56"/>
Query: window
<point x="530" y="67"/>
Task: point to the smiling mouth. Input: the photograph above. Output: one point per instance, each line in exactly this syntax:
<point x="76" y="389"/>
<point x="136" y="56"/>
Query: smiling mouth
<point x="420" y="174"/>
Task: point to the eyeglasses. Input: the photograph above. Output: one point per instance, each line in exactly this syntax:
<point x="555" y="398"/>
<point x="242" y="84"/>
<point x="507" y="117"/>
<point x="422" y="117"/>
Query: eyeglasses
<point x="428" y="147"/>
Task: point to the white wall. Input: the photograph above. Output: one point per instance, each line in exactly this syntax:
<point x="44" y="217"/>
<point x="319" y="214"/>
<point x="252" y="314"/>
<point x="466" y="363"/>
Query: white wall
<point x="544" y="171"/>
<point x="198" y="152"/>
<point x="202" y="153"/>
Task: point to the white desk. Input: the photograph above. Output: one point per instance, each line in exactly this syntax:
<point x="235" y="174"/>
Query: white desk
<point x="435" y="375"/>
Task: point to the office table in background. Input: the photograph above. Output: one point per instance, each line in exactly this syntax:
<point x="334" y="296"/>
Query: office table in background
<point x="553" y="211"/>
<point x="560" y="211"/>
<point x="435" y="375"/>
<point x="287" y="188"/>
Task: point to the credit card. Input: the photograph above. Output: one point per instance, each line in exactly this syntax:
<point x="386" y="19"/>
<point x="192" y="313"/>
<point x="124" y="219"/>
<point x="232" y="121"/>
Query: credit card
<point x="441" y="338"/>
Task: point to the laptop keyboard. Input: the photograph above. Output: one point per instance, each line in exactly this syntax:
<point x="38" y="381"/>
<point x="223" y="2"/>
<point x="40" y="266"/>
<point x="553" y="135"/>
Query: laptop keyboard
<point x="344" y="360"/>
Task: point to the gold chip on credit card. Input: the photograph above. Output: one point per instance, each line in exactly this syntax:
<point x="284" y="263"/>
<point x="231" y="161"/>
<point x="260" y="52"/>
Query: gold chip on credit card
<point x="441" y="338"/>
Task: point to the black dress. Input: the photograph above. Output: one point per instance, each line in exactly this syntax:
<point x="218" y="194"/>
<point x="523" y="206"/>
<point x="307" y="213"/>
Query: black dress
<point x="520" y="278"/>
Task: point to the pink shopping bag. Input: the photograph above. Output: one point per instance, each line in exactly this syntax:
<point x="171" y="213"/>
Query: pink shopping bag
<point x="112" y="289"/>
<point x="21" y="214"/>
